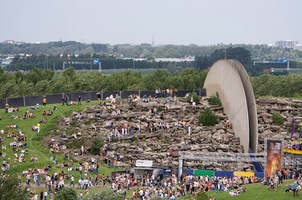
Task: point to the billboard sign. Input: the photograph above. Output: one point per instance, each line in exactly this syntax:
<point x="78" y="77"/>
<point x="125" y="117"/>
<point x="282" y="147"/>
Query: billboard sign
<point x="274" y="149"/>
<point x="144" y="163"/>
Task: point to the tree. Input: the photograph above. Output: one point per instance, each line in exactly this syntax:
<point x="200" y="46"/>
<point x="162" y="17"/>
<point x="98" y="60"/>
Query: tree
<point x="69" y="73"/>
<point x="202" y="62"/>
<point x="10" y="188"/>
<point x="1" y="71"/>
<point x="67" y="194"/>
<point x="239" y="53"/>
<point x="41" y="87"/>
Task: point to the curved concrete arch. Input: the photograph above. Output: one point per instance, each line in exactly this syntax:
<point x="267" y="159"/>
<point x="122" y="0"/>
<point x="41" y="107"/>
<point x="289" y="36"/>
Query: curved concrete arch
<point x="231" y="81"/>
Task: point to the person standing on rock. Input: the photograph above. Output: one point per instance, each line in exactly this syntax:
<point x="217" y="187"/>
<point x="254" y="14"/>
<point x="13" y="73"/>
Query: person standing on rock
<point x="114" y="165"/>
<point x="82" y="150"/>
<point x="189" y="130"/>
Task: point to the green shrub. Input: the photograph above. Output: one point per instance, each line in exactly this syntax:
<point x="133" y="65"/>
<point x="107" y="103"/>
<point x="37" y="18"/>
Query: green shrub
<point x="67" y="194"/>
<point x="208" y="118"/>
<point x="69" y="131"/>
<point x="214" y="100"/>
<point x="167" y="140"/>
<point x="277" y="119"/>
<point x="75" y="124"/>
<point x="97" y="144"/>
<point x="75" y="143"/>
<point x="160" y="109"/>
<point x="196" y="98"/>
<point x="87" y="122"/>
<point x="202" y="196"/>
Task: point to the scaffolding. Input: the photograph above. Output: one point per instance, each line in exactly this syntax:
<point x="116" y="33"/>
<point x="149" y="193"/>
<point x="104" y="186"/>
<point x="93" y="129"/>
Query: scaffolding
<point x="220" y="157"/>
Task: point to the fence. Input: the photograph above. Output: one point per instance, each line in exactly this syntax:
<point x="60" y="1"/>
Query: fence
<point x="57" y="98"/>
<point x="229" y="174"/>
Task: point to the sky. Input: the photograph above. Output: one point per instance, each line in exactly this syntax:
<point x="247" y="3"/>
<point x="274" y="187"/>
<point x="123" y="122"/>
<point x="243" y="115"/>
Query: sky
<point x="179" y="22"/>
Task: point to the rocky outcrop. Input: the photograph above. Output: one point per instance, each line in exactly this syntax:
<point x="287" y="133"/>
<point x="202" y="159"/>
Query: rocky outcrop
<point x="153" y="131"/>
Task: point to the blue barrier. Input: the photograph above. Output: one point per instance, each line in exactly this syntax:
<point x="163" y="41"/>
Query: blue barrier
<point x="259" y="174"/>
<point x="257" y="165"/>
<point x="189" y="172"/>
<point x="228" y="174"/>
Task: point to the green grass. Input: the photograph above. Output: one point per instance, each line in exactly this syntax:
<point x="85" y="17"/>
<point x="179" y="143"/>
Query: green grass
<point x="297" y="72"/>
<point x="256" y="191"/>
<point x="144" y="72"/>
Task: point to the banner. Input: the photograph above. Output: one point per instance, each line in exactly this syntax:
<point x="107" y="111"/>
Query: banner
<point x="292" y="151"/>
<point x="274" y="156"/>
<point x="96" y="61"/>
<point x="281" y="61"/>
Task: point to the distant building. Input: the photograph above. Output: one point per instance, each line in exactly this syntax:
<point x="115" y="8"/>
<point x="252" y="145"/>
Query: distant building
<point x="185" y="59"/>
<point x="288" y="44"/>
<point x="298" y="47"/>
<point x="9" y="41"/>
<point x="5" y="62"/>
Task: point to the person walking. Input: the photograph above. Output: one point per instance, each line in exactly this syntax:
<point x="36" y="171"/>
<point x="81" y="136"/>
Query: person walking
<point x="79" y="100"/>
<point x="44" y="100"/>
<point x="6" y="107"/>
<point x="72" y="181"/>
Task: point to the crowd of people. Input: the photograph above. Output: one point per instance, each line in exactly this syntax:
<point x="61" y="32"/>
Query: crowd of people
<point x="85" y="175"/>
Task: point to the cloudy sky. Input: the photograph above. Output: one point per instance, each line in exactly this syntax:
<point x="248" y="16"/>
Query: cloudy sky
<point x="202" y="22"/>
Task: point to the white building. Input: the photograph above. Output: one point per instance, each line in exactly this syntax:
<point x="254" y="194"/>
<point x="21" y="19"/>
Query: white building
<point x="287" y="44"/>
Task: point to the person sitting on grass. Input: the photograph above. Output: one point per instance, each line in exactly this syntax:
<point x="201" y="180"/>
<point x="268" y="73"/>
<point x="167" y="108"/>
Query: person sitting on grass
<point x="30" y="115"/>
<point x="49" y="112"/>
<point x="14" y="116"/>
<point x="43" y="120"/>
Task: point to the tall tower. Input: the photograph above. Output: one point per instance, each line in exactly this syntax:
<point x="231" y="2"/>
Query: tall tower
<point x="153" y="43"/>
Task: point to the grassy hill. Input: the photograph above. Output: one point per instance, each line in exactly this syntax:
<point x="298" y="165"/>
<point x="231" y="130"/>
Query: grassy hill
<point x="36" y="146"/>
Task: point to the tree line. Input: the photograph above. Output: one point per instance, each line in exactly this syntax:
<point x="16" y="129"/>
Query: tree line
<point x="258" y="52"/>
<point x="41" y="82"/>
<point x="87" y="62"/>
